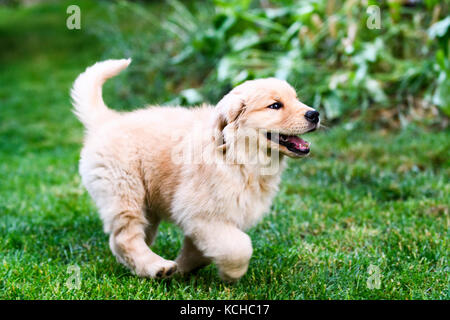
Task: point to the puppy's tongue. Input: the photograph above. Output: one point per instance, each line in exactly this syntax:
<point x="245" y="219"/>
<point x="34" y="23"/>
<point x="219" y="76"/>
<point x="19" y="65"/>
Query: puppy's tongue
<point x="295" y="141"/>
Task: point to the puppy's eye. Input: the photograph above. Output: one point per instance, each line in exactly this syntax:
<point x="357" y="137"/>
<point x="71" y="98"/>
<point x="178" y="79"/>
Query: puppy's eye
<point x="276" y="105"/>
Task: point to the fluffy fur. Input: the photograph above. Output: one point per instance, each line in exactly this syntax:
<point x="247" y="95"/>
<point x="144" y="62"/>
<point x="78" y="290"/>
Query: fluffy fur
<point x="143" y="166"/>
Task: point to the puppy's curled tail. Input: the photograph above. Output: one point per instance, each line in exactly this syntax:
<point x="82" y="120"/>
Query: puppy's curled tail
<point x="86" y="92"/>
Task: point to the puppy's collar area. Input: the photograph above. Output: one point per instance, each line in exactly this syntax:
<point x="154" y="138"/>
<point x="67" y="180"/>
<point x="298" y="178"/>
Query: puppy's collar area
<point x="291" y="142"/>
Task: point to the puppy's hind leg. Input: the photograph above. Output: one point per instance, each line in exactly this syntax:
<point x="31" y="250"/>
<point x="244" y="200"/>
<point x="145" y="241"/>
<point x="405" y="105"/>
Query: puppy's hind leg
<point x="151" y="229"/>
<point x="121" y="204"/>
<point x="190" y="257"/>
<point x="127" y="242"/>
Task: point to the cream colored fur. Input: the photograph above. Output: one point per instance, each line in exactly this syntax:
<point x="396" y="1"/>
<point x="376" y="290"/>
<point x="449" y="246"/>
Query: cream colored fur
<point x="128" y="166"/>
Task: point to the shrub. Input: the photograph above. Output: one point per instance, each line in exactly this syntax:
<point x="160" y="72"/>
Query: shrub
<point x="324" y="48"/>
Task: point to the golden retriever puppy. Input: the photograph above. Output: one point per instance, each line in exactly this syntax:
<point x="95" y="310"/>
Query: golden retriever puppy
<point x="213" y="171"/>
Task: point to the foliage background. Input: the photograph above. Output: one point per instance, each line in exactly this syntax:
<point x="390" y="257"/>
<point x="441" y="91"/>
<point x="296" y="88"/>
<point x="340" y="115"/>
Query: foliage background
<point x="324" y="48"/>
<point x="374" y="191"/>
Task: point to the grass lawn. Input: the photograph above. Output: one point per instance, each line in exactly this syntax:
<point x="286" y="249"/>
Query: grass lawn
<point x="362" y="198"/>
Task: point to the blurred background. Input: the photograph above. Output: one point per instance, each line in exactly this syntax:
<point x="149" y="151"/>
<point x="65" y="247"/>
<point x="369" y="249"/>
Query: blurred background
<point x="375" y="189"/>
<point x="382" y="62"/>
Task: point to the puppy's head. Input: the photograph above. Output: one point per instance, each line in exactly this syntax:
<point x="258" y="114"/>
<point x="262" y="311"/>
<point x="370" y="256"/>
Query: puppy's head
<point x="271" y="107"/>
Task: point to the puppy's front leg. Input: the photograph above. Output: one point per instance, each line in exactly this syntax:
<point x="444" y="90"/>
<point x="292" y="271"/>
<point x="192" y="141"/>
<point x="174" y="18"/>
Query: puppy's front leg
<point x="226" y="245"/>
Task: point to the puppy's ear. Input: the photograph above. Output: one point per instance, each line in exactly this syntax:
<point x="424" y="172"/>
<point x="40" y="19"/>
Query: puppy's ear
<point x="229" y="109"/>
<point x="220" y="123"/>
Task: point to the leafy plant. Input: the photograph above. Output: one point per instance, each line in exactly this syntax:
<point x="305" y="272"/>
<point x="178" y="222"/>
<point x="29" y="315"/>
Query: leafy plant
<point x="441" y="96"/>
<point x="324" y="48"/>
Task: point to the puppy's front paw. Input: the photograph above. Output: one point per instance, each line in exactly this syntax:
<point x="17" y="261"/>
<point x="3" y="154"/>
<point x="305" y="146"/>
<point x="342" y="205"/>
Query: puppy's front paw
<point x="160" y="269"/>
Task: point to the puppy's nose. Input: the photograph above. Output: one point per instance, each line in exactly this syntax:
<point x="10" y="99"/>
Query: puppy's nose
<point x="312" y="116"/>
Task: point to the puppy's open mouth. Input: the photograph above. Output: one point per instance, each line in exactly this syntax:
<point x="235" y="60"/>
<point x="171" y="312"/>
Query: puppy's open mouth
<point x="292" y="143"/>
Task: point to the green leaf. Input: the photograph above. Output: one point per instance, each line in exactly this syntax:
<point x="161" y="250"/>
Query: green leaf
<point x="375" y="90"/>
<point x="223" y="69"/>
<point x="441" y="96"/>
<point x="247" y="39"/>
<point x="262" y="21"/>
<point x="440" y="28"/>
<point x="286" y="64"/>
<point x="441" y="61"/>
<point x="333" y="106"/>
<point x="192" y="96"/>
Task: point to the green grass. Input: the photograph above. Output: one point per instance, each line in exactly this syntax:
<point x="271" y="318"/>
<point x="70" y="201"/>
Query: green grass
<point x="362" y="198"/>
